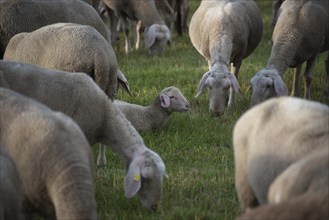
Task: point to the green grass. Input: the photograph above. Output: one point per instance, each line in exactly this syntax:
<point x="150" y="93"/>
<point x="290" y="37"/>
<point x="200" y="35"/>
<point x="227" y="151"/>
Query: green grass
<point x="196" y="148"/>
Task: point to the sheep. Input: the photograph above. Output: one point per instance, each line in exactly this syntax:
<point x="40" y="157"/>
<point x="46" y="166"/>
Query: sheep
<point x="300" y="34"/>
<point x="77" y="95"/>
<point x="304" y="207"/>
<point x="224" y="32"/>
<point x="53" y="158"/>
<point x="28" y="15"/>
<point x="69" y="47"/>
<point x="150" y="117"/>
<point x="308" y="175"/>
<point x="271" y="136"/>
<point x="10" y="189"/>
<point x="157" y="34"/>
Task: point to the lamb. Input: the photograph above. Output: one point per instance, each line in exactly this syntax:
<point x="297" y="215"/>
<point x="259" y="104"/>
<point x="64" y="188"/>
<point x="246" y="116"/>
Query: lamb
<point x="52" y="156"/>
<point x="150" y="117"/>
<point x="308" y="175"/>
<point x="157" y="34"/>
<point x="69" y="47"/>
<point x="10" y="189"/>
<point x="224" y="32"/>
<point x="300" y="34"/>
<point x="304" y="207"/>
<point x="28" y="15"/>
<point x="79" y="97"/>
<point x="266" y="141"/>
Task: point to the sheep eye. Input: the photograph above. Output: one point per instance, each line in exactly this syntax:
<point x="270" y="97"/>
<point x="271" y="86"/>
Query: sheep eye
<point x="172" y="97"/>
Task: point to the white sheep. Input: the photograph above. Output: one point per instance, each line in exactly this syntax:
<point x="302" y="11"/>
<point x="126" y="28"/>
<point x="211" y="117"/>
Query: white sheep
<point x="224" y="32"/>
<point x="157" y="34"/>
<point x="18" y="16"/>
<point x="271" y="136"/>
<point x="305" y="207"/>
<point x="11" y="198"/>
<point x="52" y="156"/>
<point x="150" y="117"/>
<point x="79" y="97"/>
<point x="69" y="47"/>
<point x="300" y="34"/>
<point x="310" y="174"/>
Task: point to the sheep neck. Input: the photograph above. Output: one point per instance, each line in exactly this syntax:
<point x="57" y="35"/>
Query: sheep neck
<point x="121" y="136"/>
<point x="157" y="113"/>
<point x="284" y="51"/>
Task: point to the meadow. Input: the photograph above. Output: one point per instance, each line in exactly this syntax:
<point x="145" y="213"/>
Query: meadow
<point x="196" y="148"/>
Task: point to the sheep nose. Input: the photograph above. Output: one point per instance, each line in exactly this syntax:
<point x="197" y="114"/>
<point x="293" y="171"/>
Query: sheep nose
<point x="154" y="207"/>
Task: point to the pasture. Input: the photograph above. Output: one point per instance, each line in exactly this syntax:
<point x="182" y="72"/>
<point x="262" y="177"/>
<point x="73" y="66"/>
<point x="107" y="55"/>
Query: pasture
<point x="196" y="148"/>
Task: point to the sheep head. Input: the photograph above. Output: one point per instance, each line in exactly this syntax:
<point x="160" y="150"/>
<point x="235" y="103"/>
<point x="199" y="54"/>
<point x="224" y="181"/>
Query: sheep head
<point x="172" y="99"/>
<point x="267" y="83"/>
<point x="144" y="176"/>
<point x="156" y="37"/>
<point x="218" y="81"/>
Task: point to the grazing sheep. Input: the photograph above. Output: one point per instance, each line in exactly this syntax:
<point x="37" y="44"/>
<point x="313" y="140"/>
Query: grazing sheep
<point x="300" y="34"/>
<point x="79" y="97"/>
<point x="150" y="117"/>
<point x="271" y="136"/>
<point x="18" y="16"/>
<point x="11" y="196"/>
<point x="224" y="32"/>
<point x="157" y="34"/>
<point x="52" y="156"/>
<point x="68" y="47"/>
<point x="306" y="207"/>
<point x="308" y="175"/>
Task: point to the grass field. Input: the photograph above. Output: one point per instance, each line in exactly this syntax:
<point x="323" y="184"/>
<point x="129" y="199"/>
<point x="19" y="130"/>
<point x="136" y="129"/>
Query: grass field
<point x="196" y="148"/>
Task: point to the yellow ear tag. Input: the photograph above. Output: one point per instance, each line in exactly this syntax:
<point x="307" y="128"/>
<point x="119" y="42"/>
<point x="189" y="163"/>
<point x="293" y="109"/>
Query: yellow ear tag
<point x="137" y="177"/>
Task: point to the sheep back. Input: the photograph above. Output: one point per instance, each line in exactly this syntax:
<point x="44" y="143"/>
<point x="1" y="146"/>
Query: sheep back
<point x="18" y="16"/>
<point x="52" y="149"/>
<point x="68" y="47"/>
<point x="271" y="136"/>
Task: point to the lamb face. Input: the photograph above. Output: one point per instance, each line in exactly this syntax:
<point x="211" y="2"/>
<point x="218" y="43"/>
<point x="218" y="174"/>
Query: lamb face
<point x="266" y="84"/>
<point x="173" y="99"/>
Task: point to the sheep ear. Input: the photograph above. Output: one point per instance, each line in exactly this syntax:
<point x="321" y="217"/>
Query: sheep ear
<point x="123" y="82"/>
<point x="279" y="86"/>
<point x="202" y="84"/>
<point x="165" y="101"/>
<point x="150" y="36"/>
<point x="234" y="83"/>
<point x="132" y="181"/>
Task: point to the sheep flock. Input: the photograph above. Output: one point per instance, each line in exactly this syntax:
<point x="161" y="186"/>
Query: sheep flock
<point x="72" y="85"/>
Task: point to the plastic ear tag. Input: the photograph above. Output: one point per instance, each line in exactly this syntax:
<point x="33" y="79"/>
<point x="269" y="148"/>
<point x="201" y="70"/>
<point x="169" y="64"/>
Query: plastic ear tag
<point x="137" y="177"/>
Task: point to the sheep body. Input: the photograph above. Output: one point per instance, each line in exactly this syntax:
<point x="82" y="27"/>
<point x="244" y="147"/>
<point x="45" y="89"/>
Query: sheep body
<point x="300" y="34"/>
<point x="304" y="207"/>
<point x="18" y="16"/>
<point x="145" y="118"/>
<point x="224" y="32"/>
<point x="68" y="47"/>
<point x="271" y="136"/>
<point x="157" y="34"/>
<point x="10" y="189"/>
<point x="98" y="118"/>
<point x="308" y="175"/>
<point x="52" y="157"/>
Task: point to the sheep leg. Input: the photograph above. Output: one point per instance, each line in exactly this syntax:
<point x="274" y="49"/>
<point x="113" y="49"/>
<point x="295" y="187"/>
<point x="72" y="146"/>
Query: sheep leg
<point x="101" y="158"/>
<point x="308" y="77"/>
<point x="235" y="67"/>
<point x="138" y="34"/>
<point x="326" y="91"/>
<point x="125" y="26"/>
<point x="295" y="85"/>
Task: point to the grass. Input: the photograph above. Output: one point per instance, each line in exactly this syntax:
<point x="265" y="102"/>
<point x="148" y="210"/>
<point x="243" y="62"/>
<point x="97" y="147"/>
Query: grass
<point x="196" y="148"/>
